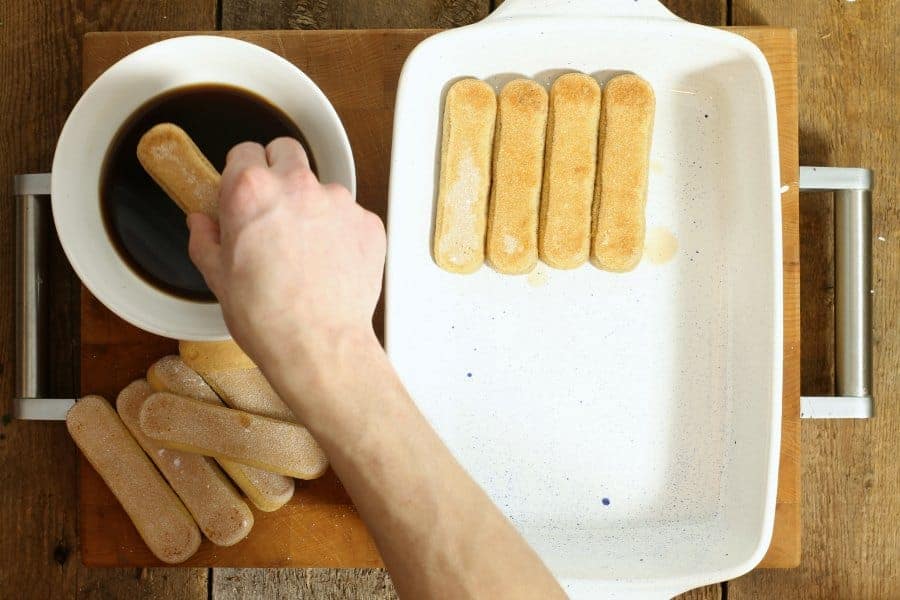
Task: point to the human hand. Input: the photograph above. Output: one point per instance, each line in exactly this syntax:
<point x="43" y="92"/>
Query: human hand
<point x="296" y="265"/>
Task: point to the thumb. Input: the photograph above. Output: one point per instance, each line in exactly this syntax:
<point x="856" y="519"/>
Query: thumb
<point x="204" y="248"/>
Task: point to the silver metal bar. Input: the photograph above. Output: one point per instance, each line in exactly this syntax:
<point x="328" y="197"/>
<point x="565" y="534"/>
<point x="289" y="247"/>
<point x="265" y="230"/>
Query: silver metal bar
<point x="32" y="223"/>
<point x="31" y="217"/>
<point x="853" y="292"/>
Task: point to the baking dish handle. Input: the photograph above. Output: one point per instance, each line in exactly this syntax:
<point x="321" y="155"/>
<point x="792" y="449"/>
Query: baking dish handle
<point x="647" y="9"/>
<point x="852" y="292"/>
<point x="32" y="222"/>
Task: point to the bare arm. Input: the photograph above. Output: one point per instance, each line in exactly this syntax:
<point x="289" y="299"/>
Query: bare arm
<point x="297" y="267"/>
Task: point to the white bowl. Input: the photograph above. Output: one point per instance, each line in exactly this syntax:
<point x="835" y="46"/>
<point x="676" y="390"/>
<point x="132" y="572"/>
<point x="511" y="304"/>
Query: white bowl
<point x="108" y="103"/>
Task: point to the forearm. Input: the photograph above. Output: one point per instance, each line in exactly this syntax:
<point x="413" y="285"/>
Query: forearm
<point x="439" y="534"/>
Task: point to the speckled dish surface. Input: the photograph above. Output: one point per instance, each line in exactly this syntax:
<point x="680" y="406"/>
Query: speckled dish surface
<point x="628" y="424"/>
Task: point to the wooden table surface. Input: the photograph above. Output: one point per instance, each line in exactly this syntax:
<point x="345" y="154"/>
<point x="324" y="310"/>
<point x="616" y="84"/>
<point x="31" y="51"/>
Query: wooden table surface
<point x="848" y="117"/>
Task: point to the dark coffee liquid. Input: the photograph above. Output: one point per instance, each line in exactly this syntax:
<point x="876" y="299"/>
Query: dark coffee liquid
<point x="146" y="226"/>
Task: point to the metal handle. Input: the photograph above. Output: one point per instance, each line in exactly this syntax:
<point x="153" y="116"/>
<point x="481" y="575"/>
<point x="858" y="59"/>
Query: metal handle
<point x="32" y="216"/>
<point x="853" y="292"/>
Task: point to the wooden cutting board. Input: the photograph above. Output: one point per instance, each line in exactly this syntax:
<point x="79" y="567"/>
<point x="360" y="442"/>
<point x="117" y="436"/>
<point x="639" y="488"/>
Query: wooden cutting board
<point x="319" y="527"/>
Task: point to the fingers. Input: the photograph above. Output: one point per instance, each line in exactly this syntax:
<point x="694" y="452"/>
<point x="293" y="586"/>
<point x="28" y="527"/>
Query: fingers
<point x="246" y="154"/>
<point x="243" y="157"/>
<point x="204" y="248"/>
<point x="286" y="154"/>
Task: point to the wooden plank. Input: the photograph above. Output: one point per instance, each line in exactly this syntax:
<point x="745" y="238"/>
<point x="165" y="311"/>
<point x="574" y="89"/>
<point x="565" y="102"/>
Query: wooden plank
<point x="706" y="12"/>
<point x="350" y="14"/>
<point x="848" y="117"/>
<point x="709" y="592"/>
<point x="40" y="61"/>
<point x="277" y="14"/>
<point x="321" y="584"/>
<point x="780" y="49"/>
<point x="336" y="584"/>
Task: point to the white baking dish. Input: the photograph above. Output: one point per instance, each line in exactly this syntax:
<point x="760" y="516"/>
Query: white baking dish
<point x="658" y="390"/>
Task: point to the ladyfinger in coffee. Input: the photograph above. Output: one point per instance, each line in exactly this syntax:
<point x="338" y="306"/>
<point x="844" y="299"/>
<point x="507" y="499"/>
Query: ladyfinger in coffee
<point x="177" y="165"/>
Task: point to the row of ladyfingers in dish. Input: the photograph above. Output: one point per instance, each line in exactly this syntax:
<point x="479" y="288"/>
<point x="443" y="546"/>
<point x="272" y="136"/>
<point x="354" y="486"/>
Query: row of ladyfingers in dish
<point x="167" y="446"/>
<point x="560" y="177"/>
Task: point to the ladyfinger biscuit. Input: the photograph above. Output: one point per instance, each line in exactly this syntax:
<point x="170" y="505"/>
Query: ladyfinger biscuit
<point x="205" y="357"/>
<point x="570" y="165"/>
<point x="178" y="166"/>
<point x="512" y="228"/>
<point x="196" y="426"/>
<point x="620" y="196"/>
<point x="461" y="214"/>
<point x="216" y="506"/>
<point x="161" y="519"/>
<point x="171" y="374"/>
<point x="266" y="490"/>
<point x="234" y="377"/>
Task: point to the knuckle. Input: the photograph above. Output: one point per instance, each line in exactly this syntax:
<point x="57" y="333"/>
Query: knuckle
<point x="194" y="252"/>
<point x="247" y="192"/>
<point x="372" y="219"/>
<point x="242" y="148"/>
<point x="338" y="192"/>
<point x="304" y="177"/>
<point x="252" y="179"/>
<point x="285" y="141"/>
<point x="373" y="223"/>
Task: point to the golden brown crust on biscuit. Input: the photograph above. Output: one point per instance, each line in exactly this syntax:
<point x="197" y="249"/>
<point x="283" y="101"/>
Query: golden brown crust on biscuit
<point x="210" y="357"/>
<point x="461" y="213"/>
<point x="569" y="171"/>
<point x="512" y="227"/>
<point x="626" y="130"/>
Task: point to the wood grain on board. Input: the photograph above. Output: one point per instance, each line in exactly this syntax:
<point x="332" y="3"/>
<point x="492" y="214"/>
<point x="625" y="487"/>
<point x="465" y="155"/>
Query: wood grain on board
<point x="40" y="59"/>
<point x="319" y="527"/>
<point x="780" y="49"/>
<point x="351" y="14"/>
<point x="849" y="79"/>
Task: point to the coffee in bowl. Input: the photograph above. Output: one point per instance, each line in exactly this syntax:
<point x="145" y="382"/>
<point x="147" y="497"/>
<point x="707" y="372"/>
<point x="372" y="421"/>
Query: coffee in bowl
<point x="146" y="227"/>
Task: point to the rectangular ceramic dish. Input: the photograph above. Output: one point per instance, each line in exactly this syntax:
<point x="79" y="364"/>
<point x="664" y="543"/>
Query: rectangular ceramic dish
<point x="628" y="424"/>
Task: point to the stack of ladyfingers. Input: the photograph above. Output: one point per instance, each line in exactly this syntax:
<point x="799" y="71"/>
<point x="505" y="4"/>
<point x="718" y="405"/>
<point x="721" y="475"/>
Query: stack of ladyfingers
<point x="560" y="177"/>
<point x="175" y="457"/>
